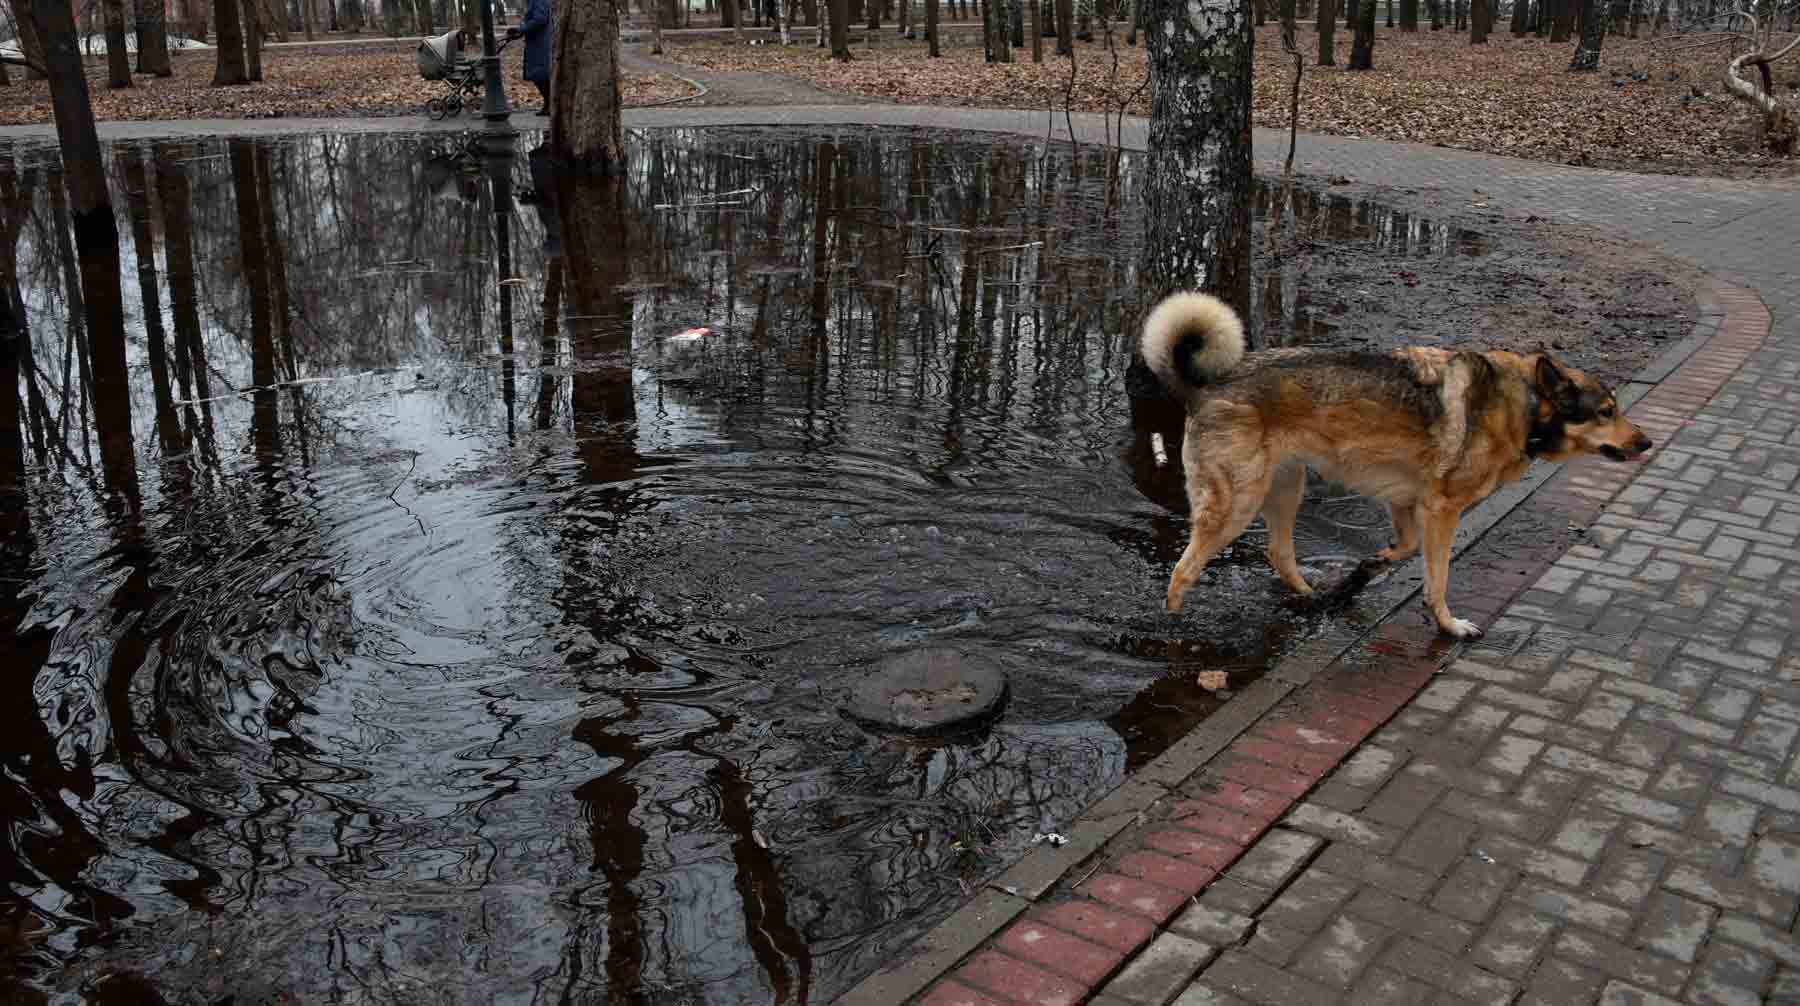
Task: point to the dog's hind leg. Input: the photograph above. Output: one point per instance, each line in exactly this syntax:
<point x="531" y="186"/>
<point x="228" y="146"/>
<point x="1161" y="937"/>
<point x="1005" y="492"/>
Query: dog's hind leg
<point x="1406" y="534"/>
<point x="1279" y="509"/>
<point x="1222" y="504"/>
<point x="1440" y="533"/>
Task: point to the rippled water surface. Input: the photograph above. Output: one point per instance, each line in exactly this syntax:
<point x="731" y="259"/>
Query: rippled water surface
<point x="461" y="632"/>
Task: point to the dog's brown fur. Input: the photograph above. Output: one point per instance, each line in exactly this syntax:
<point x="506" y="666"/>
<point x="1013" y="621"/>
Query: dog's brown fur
<point x="1429" y="431"/>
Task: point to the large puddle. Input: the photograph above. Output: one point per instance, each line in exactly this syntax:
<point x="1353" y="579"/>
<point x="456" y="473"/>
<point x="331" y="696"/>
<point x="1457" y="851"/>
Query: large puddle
<point x="476" y="637"/>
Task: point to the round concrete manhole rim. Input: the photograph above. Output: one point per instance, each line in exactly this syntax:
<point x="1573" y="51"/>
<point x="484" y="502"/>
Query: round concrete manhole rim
<point x="929" y="692"/>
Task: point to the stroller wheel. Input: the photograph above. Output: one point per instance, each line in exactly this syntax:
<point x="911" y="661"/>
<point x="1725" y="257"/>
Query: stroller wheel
<point x="436" y="109"/>
<point x="453" y="106"/>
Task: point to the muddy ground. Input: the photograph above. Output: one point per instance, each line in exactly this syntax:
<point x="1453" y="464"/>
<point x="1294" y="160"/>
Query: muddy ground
<point x="1605" y="305"/>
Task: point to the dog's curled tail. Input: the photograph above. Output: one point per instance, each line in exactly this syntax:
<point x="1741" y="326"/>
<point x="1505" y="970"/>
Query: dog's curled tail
<point x="1191" y="340"/>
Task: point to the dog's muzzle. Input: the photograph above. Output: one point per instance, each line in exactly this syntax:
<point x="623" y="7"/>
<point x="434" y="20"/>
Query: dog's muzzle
<point x="1638" y="449"/>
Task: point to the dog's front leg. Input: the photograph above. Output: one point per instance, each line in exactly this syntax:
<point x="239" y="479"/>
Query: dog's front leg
<point x="1440" y="533"/>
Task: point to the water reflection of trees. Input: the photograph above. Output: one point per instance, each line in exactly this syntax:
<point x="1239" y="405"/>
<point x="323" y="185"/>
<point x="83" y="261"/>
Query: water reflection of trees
<point x="349" y="321"/>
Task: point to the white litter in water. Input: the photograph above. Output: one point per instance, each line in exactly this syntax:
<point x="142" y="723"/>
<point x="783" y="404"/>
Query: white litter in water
<point x="1052" y="837"/>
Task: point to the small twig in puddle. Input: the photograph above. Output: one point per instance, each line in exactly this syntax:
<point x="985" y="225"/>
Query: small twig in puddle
<point x="403" y="506"/>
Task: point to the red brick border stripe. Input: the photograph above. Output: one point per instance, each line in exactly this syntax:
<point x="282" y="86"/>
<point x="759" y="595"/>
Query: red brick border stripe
<point x="1059" y="954"/>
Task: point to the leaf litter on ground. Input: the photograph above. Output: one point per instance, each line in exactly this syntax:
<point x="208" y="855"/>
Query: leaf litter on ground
<point x="318" y="82"/>
<point x="1508" y="96"/>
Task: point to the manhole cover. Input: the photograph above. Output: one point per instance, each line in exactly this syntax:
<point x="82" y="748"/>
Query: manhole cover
<point x="929" y="691"/>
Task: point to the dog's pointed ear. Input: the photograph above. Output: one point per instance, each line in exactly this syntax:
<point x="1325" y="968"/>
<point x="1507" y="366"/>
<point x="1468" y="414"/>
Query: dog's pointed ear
<point x="1553" y="385"/>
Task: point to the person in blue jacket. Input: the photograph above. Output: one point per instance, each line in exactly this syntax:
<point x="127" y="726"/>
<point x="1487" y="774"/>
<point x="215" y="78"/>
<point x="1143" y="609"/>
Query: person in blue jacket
<point x="536" y="30"/>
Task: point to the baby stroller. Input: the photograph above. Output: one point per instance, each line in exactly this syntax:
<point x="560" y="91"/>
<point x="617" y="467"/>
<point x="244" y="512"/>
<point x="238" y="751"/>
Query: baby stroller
<point x="441" y="58"/>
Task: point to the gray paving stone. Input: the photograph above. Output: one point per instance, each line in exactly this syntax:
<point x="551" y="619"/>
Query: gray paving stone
<point x="1617" y="993"/>
<point x="1381" y="987"/>
<point x="1160" y="971"/>
<point x="1473" y="889"/>
<point x="1775" y="862"/>
<point x="1730" y="976"/>
<point x="1352" y="864"/>
<point x="1447" y="973"/>
<point x="1675" y="926"/>
<point x="1610" y="957"/>
<point x="1575" y="909"/>
<point x="1250" y="979"/>
<point x="1211" y="926"/>
<point x="1513" y="941"/>
<point x="1275" y="858"/>
<point x="1340" y="954"/>
<point x="1309" y="902"/>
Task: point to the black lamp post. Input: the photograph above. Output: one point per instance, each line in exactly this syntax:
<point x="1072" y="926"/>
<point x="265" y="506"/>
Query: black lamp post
<point x="494" y="106"/>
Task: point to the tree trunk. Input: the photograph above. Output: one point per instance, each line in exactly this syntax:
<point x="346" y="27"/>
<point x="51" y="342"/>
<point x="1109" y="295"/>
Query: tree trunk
<point x="1437" y="14"/>
<point x="728" y="13"/>
<point x="1390" y="13"/>
<point x="1037" y="34"/>
<point x="1326" y="23"/>
<point x="840" y="30"/>
<point x="1593" y="34"/>
<point x="1350" y="14"/>
<point x="1065" y="23"/>
<point x="471" y="20"/>
<point x="1521" y="10"/>
<point x="1563" y="22"/>
<point x="1198" y="184"/>
<point x="96" y="232"/>
<point x="153" y="39"/>
<point x="873" y="9"/>
<point x="143" y="241"/>
<point x="30" y="44"/>
<point x="1015" y="22"/>
<point x="585" y="130"/>
<point x="310" y="14"/>
<point x="253" y="39"/>
<point x="118" y="59"/>
<point x="175" y="196"/>
<point x="1478" y="23"/>
<point x="931" y="29"/>
<point x="1362" y="45"/>
<point x="1409" y="15"/>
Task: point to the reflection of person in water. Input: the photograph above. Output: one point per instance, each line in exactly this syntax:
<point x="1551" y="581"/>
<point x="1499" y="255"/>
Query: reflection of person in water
<point x="536" y="30"/>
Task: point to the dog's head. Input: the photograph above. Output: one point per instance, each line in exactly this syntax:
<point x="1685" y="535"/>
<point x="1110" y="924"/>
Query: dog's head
<point x="1578" y="415"/>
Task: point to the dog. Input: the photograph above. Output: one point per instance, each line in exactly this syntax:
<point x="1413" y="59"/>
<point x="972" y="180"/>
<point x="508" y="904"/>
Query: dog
<point x="1428" y="431"/>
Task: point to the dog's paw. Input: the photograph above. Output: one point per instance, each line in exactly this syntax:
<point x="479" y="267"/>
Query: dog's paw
<point x="1173" y="605"/>
<point x="1462" y="628"/>
<point x="1394" y="553"/>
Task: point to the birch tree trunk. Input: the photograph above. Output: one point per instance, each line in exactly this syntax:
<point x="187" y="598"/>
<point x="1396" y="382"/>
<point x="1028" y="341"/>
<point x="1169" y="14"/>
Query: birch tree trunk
<point x="586" y="134"/>
<point x="1198" y="182"/>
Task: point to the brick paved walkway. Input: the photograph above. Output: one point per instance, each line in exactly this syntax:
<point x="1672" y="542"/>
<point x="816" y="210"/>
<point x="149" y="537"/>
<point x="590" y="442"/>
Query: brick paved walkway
<point x="1598" y="803"/>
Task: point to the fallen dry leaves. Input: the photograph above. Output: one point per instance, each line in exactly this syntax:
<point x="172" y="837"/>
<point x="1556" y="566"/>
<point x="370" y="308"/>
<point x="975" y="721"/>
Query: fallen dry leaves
<point x="1510" y="96"/>
<point x="324" y="81"/>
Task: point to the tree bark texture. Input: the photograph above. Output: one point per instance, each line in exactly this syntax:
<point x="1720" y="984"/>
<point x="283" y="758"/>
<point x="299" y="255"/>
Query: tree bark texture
<point x="1065" y="22"/>
<point x="585" y="129"/>
<point x="1362" y="45"/>
<point x="1037" y="33"/>
<point x="118" y="60"/>
<point x="931" y="28"/>
<point x="253" y="38"/>
<point x="1199" y="183"/>
<point x="1478" y="23"/>
<point x="1593" y="35"/>
<point x="840" y="30"/>
<point x="30" y="45"/>
<point x="1327" y="26"/>
<point x="153" y="38"/>
<point x="230" y="68"/>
